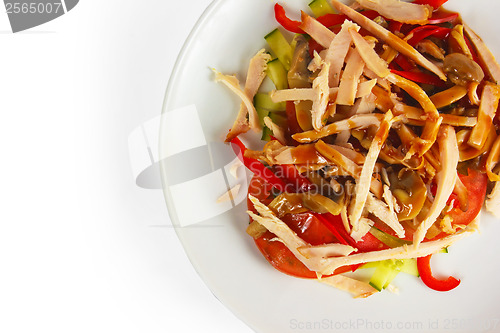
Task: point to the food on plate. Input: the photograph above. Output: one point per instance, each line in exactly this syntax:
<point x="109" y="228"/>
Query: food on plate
<point x="381" y="140"/>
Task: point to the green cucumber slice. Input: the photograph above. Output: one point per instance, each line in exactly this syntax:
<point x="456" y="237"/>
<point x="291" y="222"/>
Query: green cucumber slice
<point x="264" y="101"/>
<point x="280" y="47"/>
<point x="321" y="7"/>
<point x="277" y="73"/>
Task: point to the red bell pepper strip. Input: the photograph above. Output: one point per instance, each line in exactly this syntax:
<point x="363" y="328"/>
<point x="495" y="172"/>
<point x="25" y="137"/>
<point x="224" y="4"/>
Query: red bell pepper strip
<point x="425" y="31"/>
<point x="395" y="26"/>
<point x="323" y="218"/>
<point x="442" y="17"/>
<point x="424" y="269"/>
<point x="256" y="166"/>
<point x="330" y="20"/>
<point x="403" y="62"/>
<point x="295" y="181"/>
<point x="371" y="14"/>
<point x="314" y="46"/>
<point x="421" y="78"/>
<point x="433" y="3"/>
<point x="284" y="21"/>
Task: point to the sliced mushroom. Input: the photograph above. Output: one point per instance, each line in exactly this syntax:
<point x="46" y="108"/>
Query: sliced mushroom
<point x="461" y="70"/>
<point x="409" y="191"/>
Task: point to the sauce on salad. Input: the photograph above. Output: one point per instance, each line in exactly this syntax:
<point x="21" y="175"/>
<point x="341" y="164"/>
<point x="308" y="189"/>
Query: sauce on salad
<point x="381" y="139"/>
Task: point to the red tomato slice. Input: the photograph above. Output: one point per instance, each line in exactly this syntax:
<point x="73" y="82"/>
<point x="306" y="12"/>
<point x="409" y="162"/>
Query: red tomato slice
<point x="310" y="229"/>
<point x="476" y="183"/>
<point x="307" y="227"/>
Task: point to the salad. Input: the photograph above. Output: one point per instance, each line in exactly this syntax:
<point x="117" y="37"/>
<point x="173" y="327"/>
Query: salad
<point x="381" y="144"/>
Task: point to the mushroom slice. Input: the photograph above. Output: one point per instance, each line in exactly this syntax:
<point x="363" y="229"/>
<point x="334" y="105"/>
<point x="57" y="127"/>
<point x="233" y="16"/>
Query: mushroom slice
<point x="347" y="165"/>
<point x="410" y="192"/>
<point x="461" y="69"/>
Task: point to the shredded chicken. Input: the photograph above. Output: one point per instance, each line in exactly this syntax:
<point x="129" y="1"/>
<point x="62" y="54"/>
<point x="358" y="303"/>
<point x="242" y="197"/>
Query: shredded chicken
<point x="429" y="47"/>
<point x="321" y="91"/>
<point x="229" y="195"/>
<point x="446" y="179"/>
<point x="493" y="201"/>
<point x="363" y="184"/>
<point x="373" y="131"/>
<point x="337" y="51"/>
<point x="278" y="132"/>
<point x="255" y="75"/>
<point x="403" y="252"/>
<point x="316" y="30"/>
<point x="357" y="121"/>
<point x="358" y="289"/>
<point x="350" y="79"/>
<point x="385" y="212"/>
<point x="485" y="54"/>
<point x="405" y="12"/>
<point x="487" y="110"/>
<point x="391" y="39"/>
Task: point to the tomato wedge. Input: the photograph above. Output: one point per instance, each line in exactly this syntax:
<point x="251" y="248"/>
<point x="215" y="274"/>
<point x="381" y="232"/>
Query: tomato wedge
<point x="476" y="183"/>
<point x="307" y="227"/>
<point x="310" y="228"/>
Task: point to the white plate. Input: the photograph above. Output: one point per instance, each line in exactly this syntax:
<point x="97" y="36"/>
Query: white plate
<point x="197" y="171"/>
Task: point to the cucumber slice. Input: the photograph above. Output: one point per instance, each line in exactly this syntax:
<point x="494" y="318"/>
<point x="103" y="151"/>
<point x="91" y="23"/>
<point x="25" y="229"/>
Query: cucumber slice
<point x="321" y="7"/>
<point x="277" y="73"/>
<point x="387" y="270"/>
<point x="387" y="239"/>
<point x="409" y="266"/>
<point x="267" y="108"/>
<point x="390" y="277"/>
<point x="280" y="47"/>
<point x="277" y="118"/>
<point x="262" y="113"/>
<point x="266" y="134"/>
<point x="264" y="101"/>
<point x="381" y="275"/>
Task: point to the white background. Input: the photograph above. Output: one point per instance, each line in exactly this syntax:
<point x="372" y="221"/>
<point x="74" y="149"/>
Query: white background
<point x="82" y="248"/>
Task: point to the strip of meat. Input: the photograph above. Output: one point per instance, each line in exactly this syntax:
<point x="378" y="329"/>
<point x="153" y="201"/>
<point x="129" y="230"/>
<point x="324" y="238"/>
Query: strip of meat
<point x="388" y="37"/>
